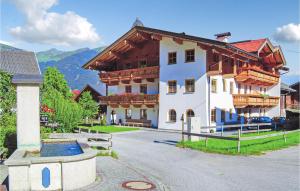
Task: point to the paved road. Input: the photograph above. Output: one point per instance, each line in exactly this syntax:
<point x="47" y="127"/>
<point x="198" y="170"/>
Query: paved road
<point x="154" y="154"/>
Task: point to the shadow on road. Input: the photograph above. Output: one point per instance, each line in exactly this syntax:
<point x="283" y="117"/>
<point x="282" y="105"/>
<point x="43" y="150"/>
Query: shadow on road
<point x="168" y="142"/>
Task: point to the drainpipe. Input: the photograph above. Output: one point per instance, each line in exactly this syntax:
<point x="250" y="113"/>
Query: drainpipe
<point x="61" y="177"/>
<point x="209" y="112"/>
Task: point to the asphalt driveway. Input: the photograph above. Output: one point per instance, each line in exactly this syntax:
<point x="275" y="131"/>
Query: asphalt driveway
<point x="154" y="154"/>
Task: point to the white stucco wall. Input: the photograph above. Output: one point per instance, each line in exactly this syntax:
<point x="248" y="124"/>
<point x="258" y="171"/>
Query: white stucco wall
<point x="28" y="117"/>
<point x="152" y="114"/>
<point x="222" y="99"/>
<point x="182" y="101"/>
<point x="274" y="91"/>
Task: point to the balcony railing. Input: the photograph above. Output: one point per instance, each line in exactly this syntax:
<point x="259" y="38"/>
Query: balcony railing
<point x="130" y="99"/>
<point x="130" y="74"/>
<point x="255" y="76"/>
<point x="245" y="100"/>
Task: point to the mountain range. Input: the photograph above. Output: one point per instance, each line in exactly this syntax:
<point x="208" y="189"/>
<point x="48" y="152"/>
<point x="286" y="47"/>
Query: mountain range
<point x="69" y="63"/>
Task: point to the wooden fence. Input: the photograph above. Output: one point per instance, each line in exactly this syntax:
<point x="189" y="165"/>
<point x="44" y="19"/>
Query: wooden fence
<point x="239" y="138"/>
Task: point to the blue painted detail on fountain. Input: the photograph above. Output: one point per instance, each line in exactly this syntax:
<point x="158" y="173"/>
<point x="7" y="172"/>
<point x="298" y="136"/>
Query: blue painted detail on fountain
<point x="46" y="177"/>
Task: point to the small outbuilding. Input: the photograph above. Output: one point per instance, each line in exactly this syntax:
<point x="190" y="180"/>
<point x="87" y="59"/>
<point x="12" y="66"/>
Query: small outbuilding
<point x="95" y="94"/>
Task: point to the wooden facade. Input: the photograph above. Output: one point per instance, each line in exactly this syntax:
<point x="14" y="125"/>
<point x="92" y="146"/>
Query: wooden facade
<point x="126" y="76"/>
<point x="126" y="100"/>
<point x="251" y="100"/>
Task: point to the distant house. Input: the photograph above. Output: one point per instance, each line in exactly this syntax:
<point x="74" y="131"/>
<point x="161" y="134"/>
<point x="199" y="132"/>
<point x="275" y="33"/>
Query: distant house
<point x="95" y="94"/>
<point x="289" y="99"/>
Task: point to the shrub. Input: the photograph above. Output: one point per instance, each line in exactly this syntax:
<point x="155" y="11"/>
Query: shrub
<point x="66" y="112"/>
<point x="103" y="120"/>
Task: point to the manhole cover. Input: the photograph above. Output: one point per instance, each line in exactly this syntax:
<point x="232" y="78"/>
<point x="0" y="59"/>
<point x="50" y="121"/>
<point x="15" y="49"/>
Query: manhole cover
<point x="138" y="185"/>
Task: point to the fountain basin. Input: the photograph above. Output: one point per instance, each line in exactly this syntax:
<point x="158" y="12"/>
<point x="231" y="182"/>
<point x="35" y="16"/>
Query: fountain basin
<point x="61" y="165"/>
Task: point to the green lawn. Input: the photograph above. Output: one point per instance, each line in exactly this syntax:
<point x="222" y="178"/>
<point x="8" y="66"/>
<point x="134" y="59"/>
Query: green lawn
<point x="110" y="128"/>
<point x="249" y="147"/>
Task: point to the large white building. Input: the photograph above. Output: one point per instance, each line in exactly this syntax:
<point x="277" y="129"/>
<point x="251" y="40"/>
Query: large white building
<point x="154" y="77"/>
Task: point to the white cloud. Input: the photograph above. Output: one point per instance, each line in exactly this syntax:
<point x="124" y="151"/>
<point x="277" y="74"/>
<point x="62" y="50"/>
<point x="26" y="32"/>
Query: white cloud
<point x="6" y="42"/>
<point x="288" y="33"/>
<point x="52" y="28"/>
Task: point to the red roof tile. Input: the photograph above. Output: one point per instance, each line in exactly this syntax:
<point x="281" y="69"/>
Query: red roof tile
<point x="76" y="92"/>
<point x="249" y="45"/>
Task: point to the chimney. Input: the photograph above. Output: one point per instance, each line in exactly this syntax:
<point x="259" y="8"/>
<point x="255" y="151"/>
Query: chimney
<point x="223" y="37"/>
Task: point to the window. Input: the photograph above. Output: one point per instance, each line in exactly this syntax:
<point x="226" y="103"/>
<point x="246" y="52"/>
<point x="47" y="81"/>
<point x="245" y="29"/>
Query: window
<point x="190" y="55"/>
<point x="239" y="112"/>
<point x="265" y="90"/>
<point x="239" y="88"/>
<point x="172" y="86"/>
<point x="143" y="114"/>
<point x="190" y="113"/>
<point x="260" y="89"/>
<point x="215" y="57"/>
<point x="128" y="113"/>
<point x="223" y="112"/>
<point x="172" y="58"/>
<point x="213" y="115"/>
<point x="143" y="88"/>
<point x="189" y="85"/>
<point x="224" y="85"/>
<point x="231" y="87"/>
<point x="172" y="115"/>
<point x="250" y="112"/>
<point x="142" y="64"/>
<point x="230" y="114"/>
<point x="260" y="112"/>
<point x="250" y="88"/>
<point x="245" y="89"/>
<point x="128" y="89"/>
<point x="127" y="66"/>
<point x="214" y="85"/>
<point x="264" y="112"/>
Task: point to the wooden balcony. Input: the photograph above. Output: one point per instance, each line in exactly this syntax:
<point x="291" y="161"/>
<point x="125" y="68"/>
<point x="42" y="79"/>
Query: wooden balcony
<point x="125" y="76"/>
<point x="125" y="100"/>
<point x="256" y="77"/>
<point x="250" y="100"/>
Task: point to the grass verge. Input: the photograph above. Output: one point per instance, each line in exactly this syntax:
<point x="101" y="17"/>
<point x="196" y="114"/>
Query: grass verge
<point x="112" y="154"/>
<point x="249" y="147"/>
<point x="110" y="128"/>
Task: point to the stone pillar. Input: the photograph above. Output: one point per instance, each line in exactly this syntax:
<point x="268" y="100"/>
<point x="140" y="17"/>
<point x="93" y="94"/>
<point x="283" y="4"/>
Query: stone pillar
<point x="28" y="117"/>
<point x="194" y="126"/>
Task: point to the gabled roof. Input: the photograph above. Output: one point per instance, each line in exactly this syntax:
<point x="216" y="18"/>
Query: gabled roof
<point x="88" y="87"/>
<point x="152" y="32"/>
<point x="285" y="87"/>
<point x="250" y="45"/>
<point x="260" y="45"/>
<point x="22" y="65"/>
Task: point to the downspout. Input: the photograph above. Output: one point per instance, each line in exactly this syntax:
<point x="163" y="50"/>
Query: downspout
<point x="208" y="94"/>
<point x="61" y="177"/>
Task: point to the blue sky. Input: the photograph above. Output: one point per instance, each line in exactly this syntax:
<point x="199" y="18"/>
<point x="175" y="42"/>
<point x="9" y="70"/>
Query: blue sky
<point x="43" y="24"/>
